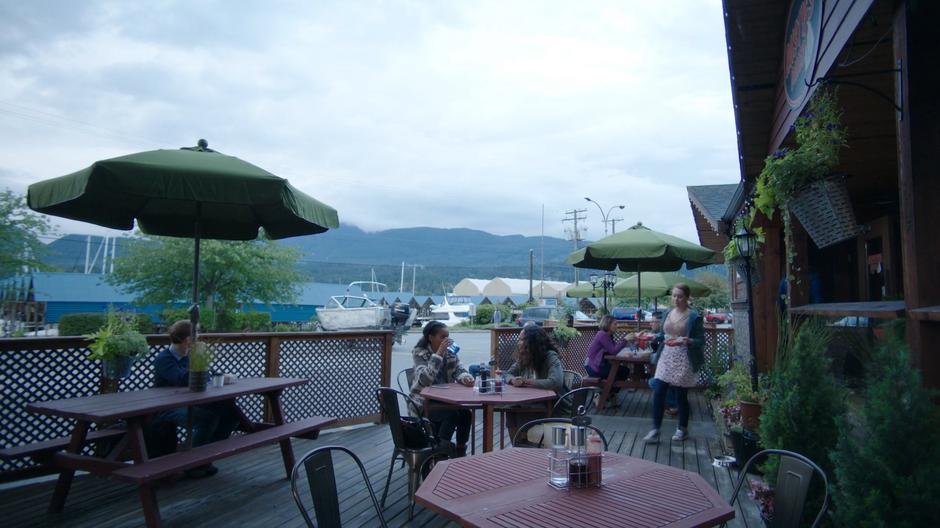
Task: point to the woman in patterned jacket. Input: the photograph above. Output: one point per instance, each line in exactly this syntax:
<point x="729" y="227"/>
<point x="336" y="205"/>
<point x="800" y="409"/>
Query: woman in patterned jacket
<point x="434" y="364"/>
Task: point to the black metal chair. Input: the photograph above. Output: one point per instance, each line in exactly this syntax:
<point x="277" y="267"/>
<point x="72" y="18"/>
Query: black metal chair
<point x="318" y="465"/>
<point x="414" y="457"/>
<point x="567" y="405"/>
<point x="523" y="432"/>
<point x="793" y="480"/>
<point x="573" y="380"/>
<point x="409" y="374"/>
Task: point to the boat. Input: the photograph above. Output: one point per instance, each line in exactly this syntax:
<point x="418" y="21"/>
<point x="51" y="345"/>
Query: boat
<point x="452" y="314"/>
<point x="359" y="312"/>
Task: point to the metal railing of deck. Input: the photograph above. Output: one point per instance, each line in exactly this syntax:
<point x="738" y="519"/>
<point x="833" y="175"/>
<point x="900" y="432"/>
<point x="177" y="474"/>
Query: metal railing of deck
<point x="719" y="346"/>
<point x="344" y="369"/>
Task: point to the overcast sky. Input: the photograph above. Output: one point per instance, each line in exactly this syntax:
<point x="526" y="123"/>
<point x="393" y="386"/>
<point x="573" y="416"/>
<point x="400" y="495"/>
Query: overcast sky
<point x="397" y="113"/>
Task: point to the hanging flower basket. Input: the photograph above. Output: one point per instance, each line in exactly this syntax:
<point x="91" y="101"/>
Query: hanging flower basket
<point x="825" y="211"/>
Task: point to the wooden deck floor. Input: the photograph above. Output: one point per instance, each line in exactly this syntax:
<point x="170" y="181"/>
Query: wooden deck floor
<point x="250" y="489"/>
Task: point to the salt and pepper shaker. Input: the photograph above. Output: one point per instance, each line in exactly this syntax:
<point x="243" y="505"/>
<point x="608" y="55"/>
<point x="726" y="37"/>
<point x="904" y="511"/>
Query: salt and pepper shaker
<point x="558" y="457"/>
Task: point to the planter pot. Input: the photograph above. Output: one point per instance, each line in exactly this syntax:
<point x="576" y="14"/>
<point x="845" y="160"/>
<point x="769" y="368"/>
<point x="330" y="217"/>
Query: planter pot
<point x="117" y="368"/>
<point x="750" y="415"/>
<point x="746" y="445"/>
<point x="824" y="209"/>
<point x="198" y="381"/>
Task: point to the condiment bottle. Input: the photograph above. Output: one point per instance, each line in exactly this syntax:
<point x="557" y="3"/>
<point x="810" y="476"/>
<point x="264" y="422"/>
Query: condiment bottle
<point x="484" y="373"/>
<point x="558" y="457"/>
<point x="595" y="447"/>
<point x="577" y="458"/>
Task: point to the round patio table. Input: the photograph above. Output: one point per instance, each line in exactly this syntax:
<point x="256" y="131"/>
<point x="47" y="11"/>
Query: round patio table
<point x="510" y="488"/>
<point x="461" y="395"/>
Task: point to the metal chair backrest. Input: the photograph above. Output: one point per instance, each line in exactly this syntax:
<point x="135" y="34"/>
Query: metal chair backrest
<point x="523" y="432"/>
<point x="573" y="380"/>
<point x="409" y="374"/>
<point x="793" y="480"/>
<point x="388" y="403"/>
<point x="318" y="464"/>
<point x="568" y="404"/>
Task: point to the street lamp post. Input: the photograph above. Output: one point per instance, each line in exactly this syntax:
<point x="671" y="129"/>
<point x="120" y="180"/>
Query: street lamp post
<point x="604" y="217"/>
<point x="607" y="281"/>
<point x="744" y="241"/>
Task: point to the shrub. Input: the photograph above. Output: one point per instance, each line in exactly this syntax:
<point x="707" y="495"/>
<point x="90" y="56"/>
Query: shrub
<point x="88" y="323"/>
<point x="888" y="457"/>
<point x="252" y="321"/>
<point x="206" y="318"/>
<point x="804" y="403"/>
<point x="485" y="313"/>
<point x="76" y="324"/>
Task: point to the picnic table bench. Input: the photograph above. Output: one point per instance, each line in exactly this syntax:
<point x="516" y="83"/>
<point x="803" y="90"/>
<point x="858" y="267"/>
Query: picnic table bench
<point x="136" y="408"/>
<point x="640" y="371"/>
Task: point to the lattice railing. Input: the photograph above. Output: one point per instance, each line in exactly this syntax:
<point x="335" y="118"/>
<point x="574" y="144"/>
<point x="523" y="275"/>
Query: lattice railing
<point x="344" y="369"/>
<point x="719" y="344"/>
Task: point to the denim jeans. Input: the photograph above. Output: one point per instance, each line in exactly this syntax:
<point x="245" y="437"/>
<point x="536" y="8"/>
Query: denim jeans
<point x="659" y="403"/>
<point x="211" y="422"/>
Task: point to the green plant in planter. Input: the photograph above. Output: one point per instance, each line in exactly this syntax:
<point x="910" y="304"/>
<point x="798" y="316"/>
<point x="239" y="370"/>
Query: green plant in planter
<point x="804" y="403"/>
<point x="787" y="172"/>
<point x="200" y="357"/>
<point x="736" y="384"/>
<point x="563" y="334"/>
<point x="116" y="339"/>
<point x="888" y="454"/>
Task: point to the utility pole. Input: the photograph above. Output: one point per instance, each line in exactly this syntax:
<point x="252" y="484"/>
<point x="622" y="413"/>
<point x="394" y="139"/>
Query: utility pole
<point x="574" y="234"/>
<point x="531" y="270"/>
<point x="613" y="224"/>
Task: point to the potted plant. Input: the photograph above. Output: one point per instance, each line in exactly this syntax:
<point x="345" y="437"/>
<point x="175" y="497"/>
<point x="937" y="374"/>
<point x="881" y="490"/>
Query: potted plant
<point x="763" y="494"/>
<point x="800" y="180"/>
<point x="563" y="334"/>
<point x="200" y="357"/>
<point x="118" y="345"/>
<point x="737" y="382"/>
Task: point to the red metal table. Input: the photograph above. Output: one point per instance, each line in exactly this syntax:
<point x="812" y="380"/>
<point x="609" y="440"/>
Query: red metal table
<point x="135" y="407"/>
<point x="510" y="488"/>
<point x="458" y="394"/>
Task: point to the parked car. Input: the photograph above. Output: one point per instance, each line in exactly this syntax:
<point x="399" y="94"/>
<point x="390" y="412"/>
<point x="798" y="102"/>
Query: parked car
<point x="536" y="314"/>
<point x="718" y="318"/>
<point x="621" y="313"/>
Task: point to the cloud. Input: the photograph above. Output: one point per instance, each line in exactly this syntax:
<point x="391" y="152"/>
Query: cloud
<point x="469" y="114"/>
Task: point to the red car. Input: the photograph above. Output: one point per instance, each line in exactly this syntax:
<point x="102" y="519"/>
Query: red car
<point x="718" y="318"/>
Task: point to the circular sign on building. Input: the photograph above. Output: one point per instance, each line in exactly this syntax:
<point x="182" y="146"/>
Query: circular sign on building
<point x="804" y="30"/>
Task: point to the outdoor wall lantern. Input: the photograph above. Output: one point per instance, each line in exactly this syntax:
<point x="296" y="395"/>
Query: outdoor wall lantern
<point x="744" y="241"/>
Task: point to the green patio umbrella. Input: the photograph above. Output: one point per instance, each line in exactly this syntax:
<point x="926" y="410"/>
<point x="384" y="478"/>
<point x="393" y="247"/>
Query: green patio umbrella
<point x="189" y="192"/>
<point x="639" y="249"/>
<point x="657" y="284"/>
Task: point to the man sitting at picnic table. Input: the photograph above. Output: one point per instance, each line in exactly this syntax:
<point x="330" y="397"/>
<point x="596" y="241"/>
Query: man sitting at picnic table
<point x="211" y="422"/>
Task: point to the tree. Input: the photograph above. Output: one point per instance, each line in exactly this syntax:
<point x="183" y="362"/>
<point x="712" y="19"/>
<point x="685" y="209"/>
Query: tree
<point x="159" y="270"/>
<point x="719" y="297"/>
<point x="20" y="229"/>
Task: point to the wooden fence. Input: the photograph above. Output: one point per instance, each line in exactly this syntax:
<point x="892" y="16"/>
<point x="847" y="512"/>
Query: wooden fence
<point x="344" y="369"/>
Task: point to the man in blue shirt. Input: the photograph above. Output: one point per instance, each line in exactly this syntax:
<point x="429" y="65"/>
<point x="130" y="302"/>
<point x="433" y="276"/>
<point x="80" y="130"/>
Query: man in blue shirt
<point x="211" y="422"/>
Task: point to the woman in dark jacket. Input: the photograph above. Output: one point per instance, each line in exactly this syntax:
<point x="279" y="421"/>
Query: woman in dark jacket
<point x="682" y="338"/>
<point x="434" y="364"/>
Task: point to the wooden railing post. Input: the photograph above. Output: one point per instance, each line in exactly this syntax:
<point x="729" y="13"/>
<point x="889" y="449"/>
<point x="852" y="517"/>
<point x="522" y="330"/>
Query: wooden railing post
<point x="272" y="366"/>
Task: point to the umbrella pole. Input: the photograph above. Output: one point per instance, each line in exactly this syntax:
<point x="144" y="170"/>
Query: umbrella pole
<point x="639" y="288"/>
<point x="194" y="309"/>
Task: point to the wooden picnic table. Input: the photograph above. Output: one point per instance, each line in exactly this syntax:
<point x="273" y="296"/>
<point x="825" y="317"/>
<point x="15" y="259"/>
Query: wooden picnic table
<point x="136" y="407"/>
<point x="461" y="395"/>
<point x="510" y="488"/>
<point x="640" y="371"/>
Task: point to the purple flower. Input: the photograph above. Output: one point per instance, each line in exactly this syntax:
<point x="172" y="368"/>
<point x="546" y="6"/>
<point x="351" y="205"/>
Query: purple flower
<point x="830" y="126"/>
<point x="810" y="115"/>
<point x="780" y="153"/>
